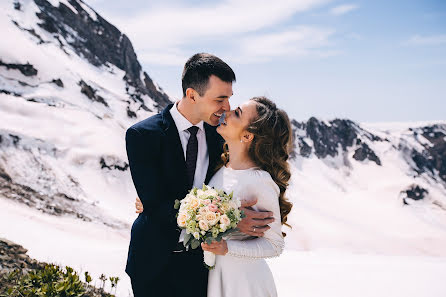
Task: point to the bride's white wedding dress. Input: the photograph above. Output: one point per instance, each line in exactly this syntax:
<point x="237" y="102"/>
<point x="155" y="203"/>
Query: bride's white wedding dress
<point x="243" y="270"/>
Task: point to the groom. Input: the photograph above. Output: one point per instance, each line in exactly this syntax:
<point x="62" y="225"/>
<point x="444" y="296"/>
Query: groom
<point x="170" y="153"/>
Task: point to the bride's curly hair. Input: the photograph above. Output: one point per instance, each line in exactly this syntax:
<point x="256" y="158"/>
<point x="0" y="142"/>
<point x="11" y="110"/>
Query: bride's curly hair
<point x="271" y="147"/>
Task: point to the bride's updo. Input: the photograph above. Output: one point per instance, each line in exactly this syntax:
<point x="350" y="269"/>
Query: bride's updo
<point x="271" y="147"/>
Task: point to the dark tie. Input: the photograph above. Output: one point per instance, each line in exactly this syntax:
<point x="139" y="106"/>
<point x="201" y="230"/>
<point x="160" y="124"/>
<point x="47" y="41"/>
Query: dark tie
<point x="191" y="154"/>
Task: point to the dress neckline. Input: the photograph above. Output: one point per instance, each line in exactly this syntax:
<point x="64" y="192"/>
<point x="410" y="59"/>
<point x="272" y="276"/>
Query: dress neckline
<point x="247" y="169"/>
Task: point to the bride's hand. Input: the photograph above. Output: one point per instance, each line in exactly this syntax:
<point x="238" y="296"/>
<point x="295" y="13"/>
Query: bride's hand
<point x="218" y="248"/>
<point x="138" y="205"/>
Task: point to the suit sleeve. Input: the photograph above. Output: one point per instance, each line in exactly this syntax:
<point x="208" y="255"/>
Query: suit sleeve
<point x="145" y="166"/>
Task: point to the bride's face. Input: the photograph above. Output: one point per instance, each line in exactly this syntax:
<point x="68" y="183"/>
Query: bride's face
<point x="233" y="128"/>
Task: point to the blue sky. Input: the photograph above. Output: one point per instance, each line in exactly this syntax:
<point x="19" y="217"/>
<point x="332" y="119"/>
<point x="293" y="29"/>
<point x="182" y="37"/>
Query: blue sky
<point x="369" y="61"/>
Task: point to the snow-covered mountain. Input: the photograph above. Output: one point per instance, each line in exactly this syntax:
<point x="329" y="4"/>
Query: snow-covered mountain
<point x="70" y="85"/>
<point x="369" y="187"/>
<point x="419" y="149"/>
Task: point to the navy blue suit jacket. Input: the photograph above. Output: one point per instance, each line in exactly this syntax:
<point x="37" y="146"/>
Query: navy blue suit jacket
<point x="158" y="169"/>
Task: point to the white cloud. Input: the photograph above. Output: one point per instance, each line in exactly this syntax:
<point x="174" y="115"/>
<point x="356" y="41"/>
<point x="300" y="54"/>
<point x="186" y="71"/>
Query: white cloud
<point x="173" y="57"/>
<point x="343" y="9"/>
<point x="176" y="25"/>
<point x="165" y="34"/>
<point x="427" y="40"/>
<point x="299" y="41"/>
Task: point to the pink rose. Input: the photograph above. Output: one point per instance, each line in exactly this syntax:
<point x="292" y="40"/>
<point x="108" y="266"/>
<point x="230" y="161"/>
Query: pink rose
<point x="213" y="208"/>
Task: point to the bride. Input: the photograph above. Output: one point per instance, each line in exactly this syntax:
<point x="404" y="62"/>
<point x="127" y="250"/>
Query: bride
<point x="258" y="138"/>
<point x="254" y="166"/>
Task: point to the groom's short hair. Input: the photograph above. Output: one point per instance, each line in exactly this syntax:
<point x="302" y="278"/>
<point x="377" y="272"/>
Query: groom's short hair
<point x="200" y="67"/>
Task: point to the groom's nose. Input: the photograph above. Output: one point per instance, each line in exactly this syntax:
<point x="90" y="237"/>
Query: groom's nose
<point x="226" y="105"/>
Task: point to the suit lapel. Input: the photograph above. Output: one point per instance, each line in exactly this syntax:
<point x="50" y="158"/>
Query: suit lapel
<point x="214" y="150"/>
<point x="175" y="149"/>
<point x="173" y="146"/>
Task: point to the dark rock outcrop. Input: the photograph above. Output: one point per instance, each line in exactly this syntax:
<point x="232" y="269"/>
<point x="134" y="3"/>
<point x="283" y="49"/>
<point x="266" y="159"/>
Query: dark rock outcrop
<point x="30" y="31"/>
<point x="113" y="164"/>
<point x="88" y="91"/>
<point x="26" y="69"/>
<point x="305" y="148"/>
<point x="433" y="158"/>
<point x="131" y="113"/>
<point x="328" y="138"/>
<point x="17" y="5"/>
<point x="2" y="91"/>
<point x="13" y="256"/>
<point x="58" y="82"/>
<point x="414" y="192"/>
<point x="364" y="152"/>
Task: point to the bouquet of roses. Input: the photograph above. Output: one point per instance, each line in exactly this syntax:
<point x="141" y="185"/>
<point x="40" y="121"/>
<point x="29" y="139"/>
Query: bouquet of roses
<point x="207" y="214"/>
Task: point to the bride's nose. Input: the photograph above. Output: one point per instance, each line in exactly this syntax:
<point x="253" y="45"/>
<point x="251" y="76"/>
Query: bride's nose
<point x="222" y="118"/>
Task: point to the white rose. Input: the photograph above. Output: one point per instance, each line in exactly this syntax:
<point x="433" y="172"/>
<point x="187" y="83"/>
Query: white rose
<point x="181" y="219"/>
<point x="188" y="216"/>
<point x="197" y="235"/>
<point x="211" y="192"/>
<point x="183" y="206"/>
<point x="189" y="197"/>
<point x="225" y="220"/>
<point x="233" y="204"/>
<point x="203" y="225"/>
<point x="203" y="210"/>
<point x="194" y="203"/>
<point x="225" y="207"/>
<point x="211" y="217"/>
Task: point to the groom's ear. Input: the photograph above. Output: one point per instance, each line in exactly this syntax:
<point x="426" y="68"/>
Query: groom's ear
<point x="191" y="94"/>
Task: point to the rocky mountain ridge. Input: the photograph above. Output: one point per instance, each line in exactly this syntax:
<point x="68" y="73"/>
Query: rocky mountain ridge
<point x="70" y="85"/>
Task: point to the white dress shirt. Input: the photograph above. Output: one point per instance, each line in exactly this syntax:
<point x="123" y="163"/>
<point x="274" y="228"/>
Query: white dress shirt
<point x="203" y="156"/>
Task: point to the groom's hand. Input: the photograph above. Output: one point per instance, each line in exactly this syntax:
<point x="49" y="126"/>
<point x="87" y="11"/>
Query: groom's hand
<point x="256" y="222"/>
<point x="138" y="205"/>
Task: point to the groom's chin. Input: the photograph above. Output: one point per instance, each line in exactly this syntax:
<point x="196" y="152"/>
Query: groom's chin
<point x="213" y="121"/>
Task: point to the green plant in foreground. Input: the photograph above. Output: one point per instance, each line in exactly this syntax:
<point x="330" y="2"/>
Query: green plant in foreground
<point x="87" y="278"/>
<point x="103" y="279"/>
<point x="114" y="282"/>
<point x="51" y="281"/>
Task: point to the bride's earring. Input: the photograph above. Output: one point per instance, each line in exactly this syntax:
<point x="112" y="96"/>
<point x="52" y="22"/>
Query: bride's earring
<point x="241" y="140"/>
